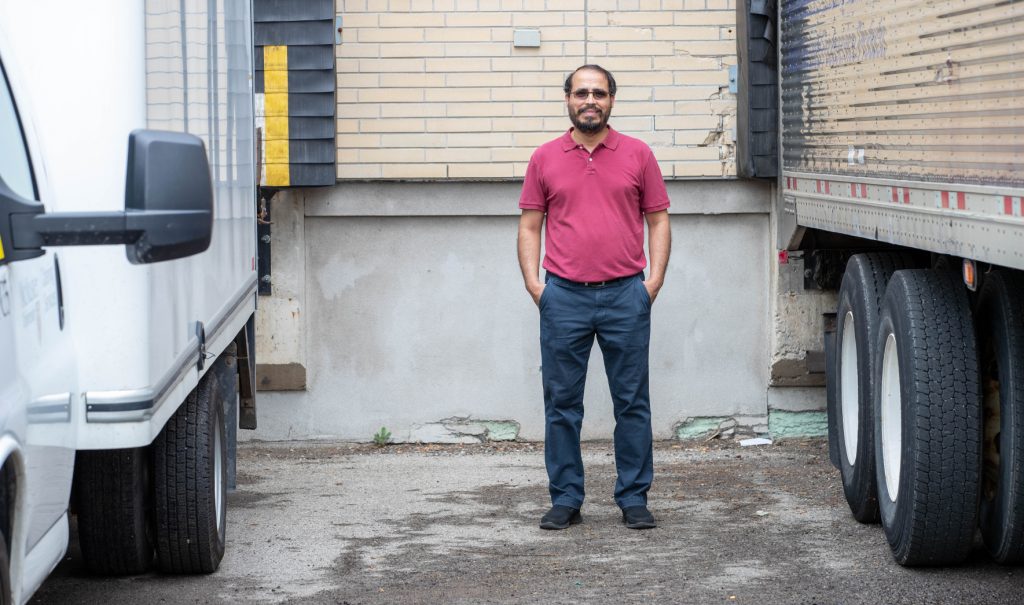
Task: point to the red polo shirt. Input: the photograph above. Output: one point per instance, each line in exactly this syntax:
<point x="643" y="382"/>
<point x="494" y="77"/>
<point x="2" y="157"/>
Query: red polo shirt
<point x="595" y="204"/>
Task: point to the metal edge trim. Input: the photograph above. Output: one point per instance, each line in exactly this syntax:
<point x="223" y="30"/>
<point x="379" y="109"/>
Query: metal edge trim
<point x="140" y="404"/>
<point x="929" y="185"/>
<point x="219" y="323"/>
<point x="859" y="203"/>
<point x="50" y="408"/>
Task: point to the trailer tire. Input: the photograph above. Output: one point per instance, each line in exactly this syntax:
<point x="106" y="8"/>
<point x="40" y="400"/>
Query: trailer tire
<point x="190" y="457"/>
<point x="927" y="419"/>
<point x="113" y="499"/>
<point x="1000" y="316"/>
<point x="6" y="592"/>
<point x="860" y="301"/>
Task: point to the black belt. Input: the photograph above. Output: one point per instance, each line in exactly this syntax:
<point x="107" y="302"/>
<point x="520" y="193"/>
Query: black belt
<point x="596" y="284"/>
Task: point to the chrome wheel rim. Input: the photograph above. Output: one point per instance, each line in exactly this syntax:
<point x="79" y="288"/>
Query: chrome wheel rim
<point x="891" y="417"/>
<point x="218" y="477"/>
<point x="849" y="397"/>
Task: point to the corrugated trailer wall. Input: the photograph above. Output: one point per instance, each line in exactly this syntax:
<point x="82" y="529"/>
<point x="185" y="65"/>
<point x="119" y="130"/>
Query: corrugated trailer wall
<point x="919" y="90"/>
<point x="902" y="123"/>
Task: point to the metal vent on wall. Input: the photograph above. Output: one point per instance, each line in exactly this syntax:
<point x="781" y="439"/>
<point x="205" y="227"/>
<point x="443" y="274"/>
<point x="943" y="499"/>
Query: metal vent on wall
<point x="757" y="120"/>
<point x="295" y="91"/>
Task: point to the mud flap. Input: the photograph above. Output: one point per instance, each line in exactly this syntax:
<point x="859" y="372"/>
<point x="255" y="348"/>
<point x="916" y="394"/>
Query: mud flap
<point x="246" y="351"/>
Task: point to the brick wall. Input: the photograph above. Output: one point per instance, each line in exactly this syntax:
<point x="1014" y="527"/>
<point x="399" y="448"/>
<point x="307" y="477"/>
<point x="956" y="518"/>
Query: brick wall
<point x="434" y="89"/>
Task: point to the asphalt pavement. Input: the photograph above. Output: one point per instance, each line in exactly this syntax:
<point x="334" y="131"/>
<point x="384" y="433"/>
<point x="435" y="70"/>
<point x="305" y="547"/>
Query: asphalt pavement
<point x="356" y="524"/>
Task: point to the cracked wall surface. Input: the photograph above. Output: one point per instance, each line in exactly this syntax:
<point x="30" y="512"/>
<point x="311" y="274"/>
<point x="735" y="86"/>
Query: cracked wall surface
<point x="461" y="429"/>
<point x="415" y="313"/>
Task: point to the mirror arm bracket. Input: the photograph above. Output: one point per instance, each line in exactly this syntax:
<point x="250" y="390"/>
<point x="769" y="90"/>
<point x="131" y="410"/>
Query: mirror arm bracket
<point x="35" y="230"/>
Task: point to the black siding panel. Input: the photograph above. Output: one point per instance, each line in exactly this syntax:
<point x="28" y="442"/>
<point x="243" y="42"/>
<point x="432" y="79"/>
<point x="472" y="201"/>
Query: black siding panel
<point x="299" y="33"/>
<point x="310" y="105"/>
<point x="311" y="128"/>
<point x="307" y="28"/>
<point x="292" y="10"/>
<point x="313" y="175"/>
<point x="311" y="57"/>
<point x="317" y="151"/>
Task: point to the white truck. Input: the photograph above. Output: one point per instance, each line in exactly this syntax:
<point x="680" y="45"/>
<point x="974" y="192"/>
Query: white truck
<point x="127" y="281"/>
<point x="902" y="173"/>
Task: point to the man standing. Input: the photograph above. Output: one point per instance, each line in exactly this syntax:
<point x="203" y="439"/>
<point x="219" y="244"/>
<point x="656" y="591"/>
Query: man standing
<point x="594" y="186"/>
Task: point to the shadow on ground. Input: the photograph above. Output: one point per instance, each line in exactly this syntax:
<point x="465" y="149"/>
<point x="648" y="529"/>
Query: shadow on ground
<point x="338" y="523"/>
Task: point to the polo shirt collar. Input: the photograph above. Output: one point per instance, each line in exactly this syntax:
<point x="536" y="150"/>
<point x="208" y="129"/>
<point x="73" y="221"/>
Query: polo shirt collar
<point x="611" y="141"/>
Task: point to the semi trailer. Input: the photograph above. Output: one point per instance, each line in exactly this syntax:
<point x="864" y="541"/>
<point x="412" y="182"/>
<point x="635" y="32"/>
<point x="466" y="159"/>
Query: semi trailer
<point x="900" y="182"/>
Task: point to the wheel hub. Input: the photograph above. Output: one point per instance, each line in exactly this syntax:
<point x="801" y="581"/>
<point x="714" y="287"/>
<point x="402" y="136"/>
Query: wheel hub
<point x="891" y="417"/>
<point x="849" y="398"/>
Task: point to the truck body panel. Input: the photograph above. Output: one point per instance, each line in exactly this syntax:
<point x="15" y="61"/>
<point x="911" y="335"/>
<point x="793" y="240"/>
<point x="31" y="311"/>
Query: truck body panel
<point x="901" y="123"/>
<point x="104" y="343"/>
<point x="143" y="331"/>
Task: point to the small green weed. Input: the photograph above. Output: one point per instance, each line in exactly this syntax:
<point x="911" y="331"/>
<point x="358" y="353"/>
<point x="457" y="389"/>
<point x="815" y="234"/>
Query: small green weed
<point x="382" y="437"/>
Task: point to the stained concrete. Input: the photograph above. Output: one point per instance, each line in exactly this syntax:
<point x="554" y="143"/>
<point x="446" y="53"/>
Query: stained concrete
<point x="337" y="523"/>
<point x="280" y="317"/>
<point x="782" y="424"/>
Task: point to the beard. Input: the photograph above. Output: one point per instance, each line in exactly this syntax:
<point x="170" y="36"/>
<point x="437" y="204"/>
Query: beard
<point x="590" y="124"/>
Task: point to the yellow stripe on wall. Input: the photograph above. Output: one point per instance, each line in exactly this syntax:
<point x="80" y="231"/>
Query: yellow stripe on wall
<point x="277" y="152"/>
<point x="275" y="104"/>
<point x="275" y="58"/>
<point x="277" y="175"/>
<point x="275" y="87"/>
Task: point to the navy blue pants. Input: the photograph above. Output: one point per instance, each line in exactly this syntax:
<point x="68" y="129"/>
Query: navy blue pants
<point x="619" y="315"/>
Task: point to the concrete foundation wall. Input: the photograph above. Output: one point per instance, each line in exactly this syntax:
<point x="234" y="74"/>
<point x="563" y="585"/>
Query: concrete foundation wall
<point x="415" y="316"/>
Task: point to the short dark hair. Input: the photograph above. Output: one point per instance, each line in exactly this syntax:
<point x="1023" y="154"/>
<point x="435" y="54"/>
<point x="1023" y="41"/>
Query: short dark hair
<point x="607" y="74"/>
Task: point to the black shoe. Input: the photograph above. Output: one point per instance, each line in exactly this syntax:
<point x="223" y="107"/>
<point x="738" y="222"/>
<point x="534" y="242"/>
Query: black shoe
<point x="560" y="517"/>
<point x="638" y="517"/>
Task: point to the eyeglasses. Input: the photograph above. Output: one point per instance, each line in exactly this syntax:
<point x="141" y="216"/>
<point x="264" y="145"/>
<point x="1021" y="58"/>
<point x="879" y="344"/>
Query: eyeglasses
<point x="582" y="94"/>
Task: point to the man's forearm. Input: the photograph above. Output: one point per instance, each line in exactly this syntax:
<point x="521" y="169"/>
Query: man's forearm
<point x="529" y="252"/>
<point x="660" y="248"/>
<point x="529" y="257"/>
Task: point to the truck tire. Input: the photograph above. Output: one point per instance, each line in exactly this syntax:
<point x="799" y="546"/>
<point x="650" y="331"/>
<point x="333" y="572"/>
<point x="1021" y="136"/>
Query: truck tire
<point x="190" y="462"/>
<point x="113" y="499"/>
<point x="927" y="419"/>
<point x="6" y="593"/>
<point x="1000" y="316"/>
<point x="860" y="301"/>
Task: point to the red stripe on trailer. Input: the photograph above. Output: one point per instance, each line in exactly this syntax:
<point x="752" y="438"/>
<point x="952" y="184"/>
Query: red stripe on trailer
<point x="961" y="200"/>
<point x="1007" y="204"/>
<point x="828" y="187"/>
<point x="906" y="195"/>
<point x="863" y="190"/>
<point x="945" y="199"/>
<point x="853" y="189"/>
<point x="895" y="195"/>
<point x="817" y="186"/>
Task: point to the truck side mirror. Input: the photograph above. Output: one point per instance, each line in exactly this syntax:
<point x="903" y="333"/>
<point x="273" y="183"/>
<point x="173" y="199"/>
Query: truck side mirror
<point x="168" y="196"/>
<point x="168" y="206"/>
